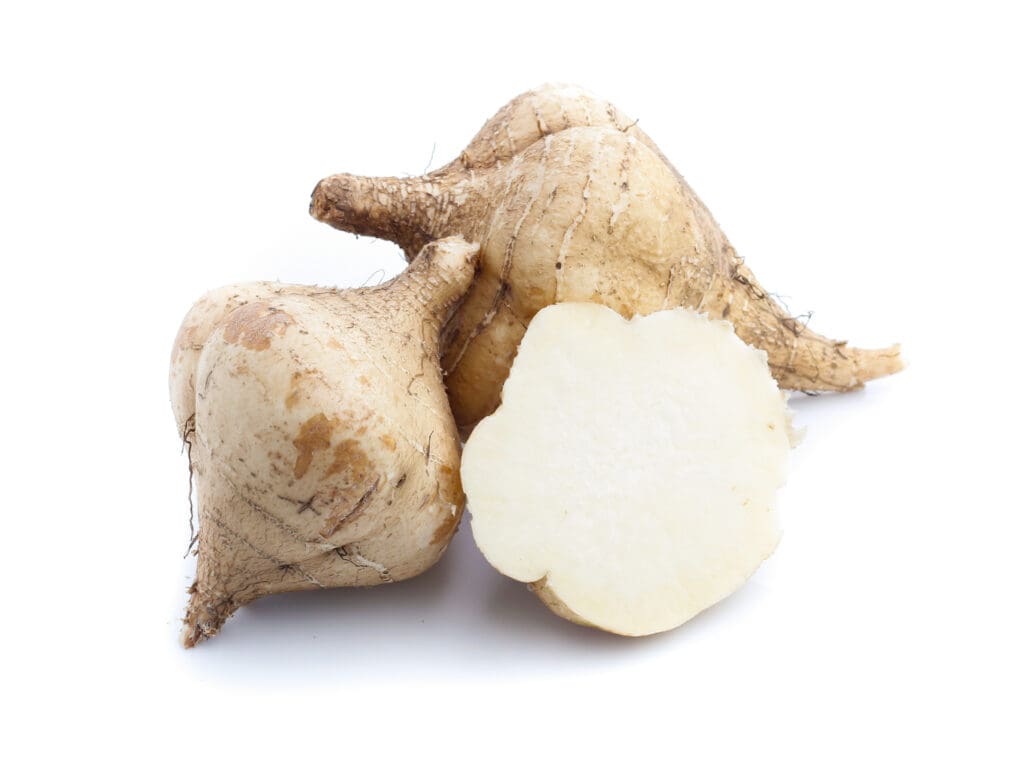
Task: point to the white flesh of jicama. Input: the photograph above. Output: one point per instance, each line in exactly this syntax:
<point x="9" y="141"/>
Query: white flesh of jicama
<point x="630" y="473"/>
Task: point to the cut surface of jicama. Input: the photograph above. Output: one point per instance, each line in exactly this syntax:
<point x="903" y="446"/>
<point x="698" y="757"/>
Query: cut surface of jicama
<point x="630" y="473"/>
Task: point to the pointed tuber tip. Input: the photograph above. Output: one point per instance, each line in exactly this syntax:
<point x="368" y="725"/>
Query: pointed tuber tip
<point x="204" y="617"/>
<point x="316" y="202"/>
<point x="190" y="636"/>
<point x="330" y="201"/>
<point x="878" y="363"/>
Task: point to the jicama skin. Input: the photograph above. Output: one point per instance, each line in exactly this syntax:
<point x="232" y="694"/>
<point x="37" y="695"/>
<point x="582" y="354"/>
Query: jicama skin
<point x="572" y="202"/>
<point x="629" y="476"/>
<point x="205" y="316"/>
<point x="323" y="447"/>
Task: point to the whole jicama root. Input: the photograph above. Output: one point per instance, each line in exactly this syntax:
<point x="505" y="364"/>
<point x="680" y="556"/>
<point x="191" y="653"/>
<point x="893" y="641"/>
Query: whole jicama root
<point x="324" y="450"/>
<point x="572" y="202"/>
<point x="630" y="474"/>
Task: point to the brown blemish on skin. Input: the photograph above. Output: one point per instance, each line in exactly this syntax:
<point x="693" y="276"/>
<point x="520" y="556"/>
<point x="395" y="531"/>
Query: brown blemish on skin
<point x="298" y="381"/>
<point x="349" y="501"/>
<point x="389" y="442"/>
<point x="333" y="343"/>
<point x="254" y="325"/>
<point x="450" y="484"/>
<point x="364" y="380"/>
<point x="314" y="436"/>
<point x="445" y="531"/>
<point x="350" y="458"/>
<point x="449" y="487"/>
<point x="294" y="393"/>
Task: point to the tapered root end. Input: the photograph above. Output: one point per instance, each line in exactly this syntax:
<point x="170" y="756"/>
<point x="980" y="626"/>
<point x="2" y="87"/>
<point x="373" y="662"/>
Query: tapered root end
<point x="204" y="617"/>
<point x="858" y="366"/>
<point x="800" y="359"/>
<point x="821" y="365"/>
<point x="877" y="363"/>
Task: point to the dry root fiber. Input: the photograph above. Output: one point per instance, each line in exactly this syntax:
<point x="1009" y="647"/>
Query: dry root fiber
<point x="323" y="447"/>
<point x="572" y="202"/>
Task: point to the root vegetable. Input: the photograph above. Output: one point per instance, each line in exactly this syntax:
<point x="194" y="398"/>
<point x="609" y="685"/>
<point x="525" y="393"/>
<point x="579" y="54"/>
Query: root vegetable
<point x="572" y="202"/>
<point x="629" y="475"/>
<point x="323" y="446"/>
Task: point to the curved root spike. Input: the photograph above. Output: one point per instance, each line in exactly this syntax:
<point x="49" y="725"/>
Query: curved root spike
<point x="799" y="358"/>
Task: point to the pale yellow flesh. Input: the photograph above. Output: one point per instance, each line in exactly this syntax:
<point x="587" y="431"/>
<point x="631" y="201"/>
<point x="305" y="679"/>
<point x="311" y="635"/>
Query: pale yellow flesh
<point x="632" y="465"/>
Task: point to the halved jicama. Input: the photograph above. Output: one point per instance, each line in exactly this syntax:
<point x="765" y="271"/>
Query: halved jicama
<point x="630" y="473"/>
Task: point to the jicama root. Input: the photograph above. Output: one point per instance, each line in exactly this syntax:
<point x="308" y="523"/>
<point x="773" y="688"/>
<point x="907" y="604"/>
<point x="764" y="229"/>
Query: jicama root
<point x="323" y="446"/>
<point x="629" y="475"/>
<point x="572" y="202"/>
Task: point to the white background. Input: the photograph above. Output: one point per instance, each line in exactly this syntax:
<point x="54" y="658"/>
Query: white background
<point x="866" y="159"/>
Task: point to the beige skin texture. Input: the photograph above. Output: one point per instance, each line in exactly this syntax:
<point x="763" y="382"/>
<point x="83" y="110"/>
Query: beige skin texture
<point x="319" y="434"/>
<point x="572" y="202"/>
<point x="629" y="476"/>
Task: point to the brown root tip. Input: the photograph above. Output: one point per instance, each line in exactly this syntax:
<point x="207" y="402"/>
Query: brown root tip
<point x="204" y="617"/>
<point x="316" y="202"/>
<point x="401" y="210"/>
<point x="329" y="202"/>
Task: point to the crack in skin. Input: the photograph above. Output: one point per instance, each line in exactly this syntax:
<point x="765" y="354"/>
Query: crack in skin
<point x="335" y="522"/>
